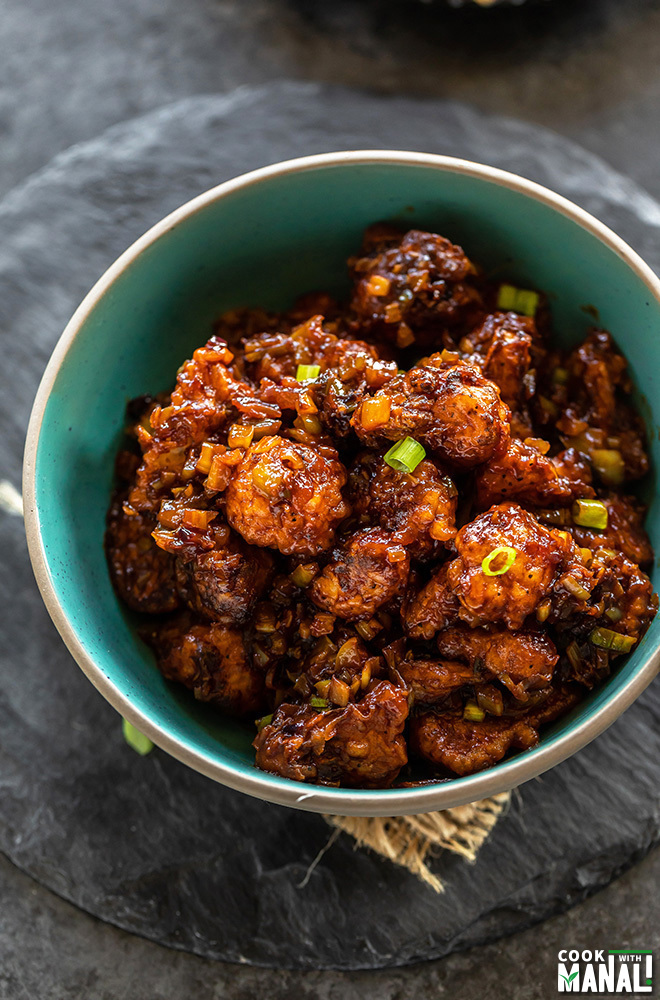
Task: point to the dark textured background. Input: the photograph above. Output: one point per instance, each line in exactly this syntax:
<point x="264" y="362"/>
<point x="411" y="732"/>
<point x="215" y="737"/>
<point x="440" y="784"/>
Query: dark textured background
<point x="69" y="69"/>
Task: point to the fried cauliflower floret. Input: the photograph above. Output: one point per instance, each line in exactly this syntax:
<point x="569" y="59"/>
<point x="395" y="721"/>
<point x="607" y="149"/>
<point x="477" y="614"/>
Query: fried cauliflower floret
<point x="212" y="661"/>
<point x="447" y="612"/>
<point x="418" y="507"/>
<point x="408" y="287"/>
<point x="524" y="474"/>
<point x="454" y="412"/>
<point x="544" y="559"/>
<point x="465" y="747"/>
<point x="363" y="574"/>
<point x="142" y="574"/>
<point x="208" y="395"/>
<point x="522" y="661"/>
<point x="359" y="746"/>
<point x="287" y="496"/>
<point x="225" y="583"/>
<point x="432" y="608"/>
<point x="432" y="680"/>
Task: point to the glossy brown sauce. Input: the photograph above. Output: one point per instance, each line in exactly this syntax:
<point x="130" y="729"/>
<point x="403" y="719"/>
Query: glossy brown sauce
<point x="365" y="614"/>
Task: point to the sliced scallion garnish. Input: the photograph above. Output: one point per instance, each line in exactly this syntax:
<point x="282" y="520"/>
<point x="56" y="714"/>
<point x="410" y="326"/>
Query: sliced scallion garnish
<point x="499" y="561"/>
<point x="590" y="514"/>
<point x="319" y="702"/>
<point x="610" y="466"/>
<point x="506" y="297"/>
<point x="520" y="300"/>
<point x="405" y="455"/>
<point x="527" y="302"/>
<point x="136" y="740"/>
<point x="265" y="720"/>
<point x="472" y="712"/>
<point x="307" y="373"/>
<point x="606" y="638"/>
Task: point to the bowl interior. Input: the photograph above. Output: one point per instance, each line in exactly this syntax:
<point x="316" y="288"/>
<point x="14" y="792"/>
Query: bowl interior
<point x="262" y="245"/>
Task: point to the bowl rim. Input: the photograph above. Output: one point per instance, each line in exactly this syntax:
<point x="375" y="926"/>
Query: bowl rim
<point x="283" y="791"/>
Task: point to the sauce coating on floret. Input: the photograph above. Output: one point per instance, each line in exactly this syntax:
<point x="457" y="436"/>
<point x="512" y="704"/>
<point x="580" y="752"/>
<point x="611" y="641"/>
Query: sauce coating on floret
<point x="398" y="532"/>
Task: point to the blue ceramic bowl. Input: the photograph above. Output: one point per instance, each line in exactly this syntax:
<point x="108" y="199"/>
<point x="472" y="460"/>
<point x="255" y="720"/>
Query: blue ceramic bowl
<point x="262" y="239"/>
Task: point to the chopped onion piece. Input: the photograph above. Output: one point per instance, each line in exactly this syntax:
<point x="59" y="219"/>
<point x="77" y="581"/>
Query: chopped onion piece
<point x="490" y="700"/>
<point x="339" y="692"/>
<point x="378" y="285"/>
<point x="473" y="713"/>
<point x="303" y="575"/>
<point x="240" y="436"/>
<point x="375" y="412"/>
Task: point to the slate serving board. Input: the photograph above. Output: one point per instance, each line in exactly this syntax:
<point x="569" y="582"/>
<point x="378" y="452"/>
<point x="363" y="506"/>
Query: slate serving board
<point x="145" y="843"/>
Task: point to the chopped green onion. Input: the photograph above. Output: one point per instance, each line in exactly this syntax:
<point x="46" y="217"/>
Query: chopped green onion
<point x="318" y="702"/>
<point x="609" y="464"/>
<point x="605" y="638"/>
<point x="504" y="556"/>
<point x="549" y="407"/>
<point x="473" y="713"/>
<point x="590" y="514"/>
<point x="264" y="721"/>
<point x="520" y="300"/>
<point x="575" y="588"/>
<point x="560" y="376"/>
<point x="405" y="455"/>
<point x="136" y="740"/>
<point x="527" y="302"/>
<point x="614" y="614"/>
<point x="543" y="611"/>
<point x="303" y="575"/>
<point x="307" y="373"/>
<point x="574" y="655"/>
<point x="506" y="297"/>
<point x="489" y="699"/>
